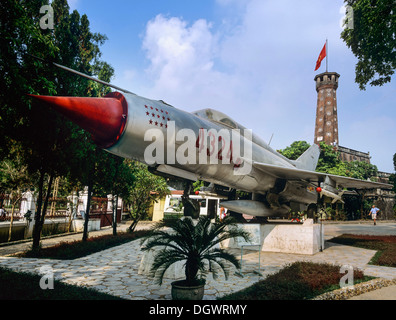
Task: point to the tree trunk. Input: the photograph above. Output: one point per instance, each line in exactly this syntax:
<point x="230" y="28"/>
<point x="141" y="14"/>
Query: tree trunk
<point x="11" y="221"/>
<point x="191" y="269"/>
<point x="115" y="216"/>
<point x="38" y="226"/>
<point x="14" y="203"/>
<point x="71" y="216"/>
<point x="134" y="223"/>
<point x="36" y="229"/>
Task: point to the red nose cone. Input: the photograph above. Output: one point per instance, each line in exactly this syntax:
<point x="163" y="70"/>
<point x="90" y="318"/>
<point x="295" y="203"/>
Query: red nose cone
<point x="318" y="189"/>
<point x="105" y="118"/>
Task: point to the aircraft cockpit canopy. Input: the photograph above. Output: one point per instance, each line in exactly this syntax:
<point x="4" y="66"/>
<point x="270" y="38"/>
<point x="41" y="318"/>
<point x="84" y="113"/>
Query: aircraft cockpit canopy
<point x="222" y="119"/>
<point x="219" y="117"/>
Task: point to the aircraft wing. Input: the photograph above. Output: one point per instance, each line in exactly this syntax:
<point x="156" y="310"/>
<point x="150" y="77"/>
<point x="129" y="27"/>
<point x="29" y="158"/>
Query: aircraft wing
<point x="317" y="177"/>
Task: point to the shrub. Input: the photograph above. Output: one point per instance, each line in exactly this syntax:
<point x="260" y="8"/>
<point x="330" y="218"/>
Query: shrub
<point x="77" y="249"/>
<point x="297" y="281"/>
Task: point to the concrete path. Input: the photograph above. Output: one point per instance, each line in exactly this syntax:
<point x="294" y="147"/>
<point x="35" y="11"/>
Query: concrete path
<point x="115" y="270"/>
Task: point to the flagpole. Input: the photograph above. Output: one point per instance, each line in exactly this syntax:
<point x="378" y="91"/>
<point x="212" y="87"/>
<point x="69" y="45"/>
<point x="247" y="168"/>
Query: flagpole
<point x="327" y="55"/>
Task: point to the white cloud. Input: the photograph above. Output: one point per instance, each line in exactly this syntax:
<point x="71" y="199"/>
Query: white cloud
<point x="256" y="64"/>
<point x="181" y="56"/>
<point x="260" y="65"/>
<point x="73" y="4"/>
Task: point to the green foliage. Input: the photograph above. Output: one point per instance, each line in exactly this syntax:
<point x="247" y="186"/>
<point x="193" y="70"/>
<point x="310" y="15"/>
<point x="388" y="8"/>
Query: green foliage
<point x="372" y="40"/>
<point x="147" y="189"/>
<point x="197" y="185"/>
<point x="329" y="162"/>
<point x="295" y="150"/>
<point x="196" y="243"/>
<point x="392" y="177"/>
<point x="45" y="142"/>
<point x="13" y="176"/>
<point x="361" y="170"/>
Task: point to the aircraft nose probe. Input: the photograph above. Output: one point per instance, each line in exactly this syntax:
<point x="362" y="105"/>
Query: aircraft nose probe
<point x="105" y="118"/>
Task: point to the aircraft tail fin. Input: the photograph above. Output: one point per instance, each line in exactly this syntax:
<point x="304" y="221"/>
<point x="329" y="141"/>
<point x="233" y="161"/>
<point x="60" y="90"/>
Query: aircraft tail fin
<point x="309" y="159"/>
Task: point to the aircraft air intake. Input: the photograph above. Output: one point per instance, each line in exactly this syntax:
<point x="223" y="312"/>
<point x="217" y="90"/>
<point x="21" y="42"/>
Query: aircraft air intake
<point x="104" y="118"/>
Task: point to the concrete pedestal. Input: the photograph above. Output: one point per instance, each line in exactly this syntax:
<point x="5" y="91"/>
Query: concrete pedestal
<point x="306" y="238"/>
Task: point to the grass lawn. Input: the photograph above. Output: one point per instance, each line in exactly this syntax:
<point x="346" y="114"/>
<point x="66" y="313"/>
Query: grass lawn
<point x="26" y="286"/>
<point x="385" y="245"/>
<point x="305" y="280"/>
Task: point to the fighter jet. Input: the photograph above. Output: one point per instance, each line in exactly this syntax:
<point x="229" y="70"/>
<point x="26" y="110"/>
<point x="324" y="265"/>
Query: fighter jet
<point x="204" y="145"/>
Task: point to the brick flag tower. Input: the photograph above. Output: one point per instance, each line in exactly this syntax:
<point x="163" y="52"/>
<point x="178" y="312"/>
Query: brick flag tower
<point x="326" y="127"/>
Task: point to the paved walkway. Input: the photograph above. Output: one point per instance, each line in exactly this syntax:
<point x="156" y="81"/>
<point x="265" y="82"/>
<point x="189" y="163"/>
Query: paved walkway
<point x="116" y="270"/>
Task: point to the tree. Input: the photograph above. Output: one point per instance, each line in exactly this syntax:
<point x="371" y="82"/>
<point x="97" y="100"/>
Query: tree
<point x="392" y="177"/>
<point x="194" y="243"/>
<point x="19" y="32"/>
<point x="14" y="180"/>
<point x="295" y="150"/>
<point x="123" y="182"/>
<point x="48" y="143"/>
<point x="372" y="40"/>
<point x="361" y="170"/>
<point x="330" y="162"/>
<point x="112" y="175"/>
<point x="71" y="147"/>
<point x="19" y="75"/>
<point x="147" y="189"/>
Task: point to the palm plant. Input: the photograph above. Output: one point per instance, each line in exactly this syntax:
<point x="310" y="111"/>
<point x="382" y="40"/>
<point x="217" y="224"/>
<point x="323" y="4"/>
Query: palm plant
<point x="196" y="243"/>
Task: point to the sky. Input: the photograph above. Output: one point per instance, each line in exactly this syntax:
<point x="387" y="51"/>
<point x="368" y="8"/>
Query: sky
<point x="253" y="60"/>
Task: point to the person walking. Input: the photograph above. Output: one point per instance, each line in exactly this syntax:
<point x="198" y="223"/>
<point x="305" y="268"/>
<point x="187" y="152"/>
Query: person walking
<point x="373" y="212"/>
<point x="2" y="213"/>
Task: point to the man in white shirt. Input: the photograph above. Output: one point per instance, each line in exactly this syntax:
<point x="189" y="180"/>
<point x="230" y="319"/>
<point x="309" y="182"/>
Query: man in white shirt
<point x="373" y="213"/>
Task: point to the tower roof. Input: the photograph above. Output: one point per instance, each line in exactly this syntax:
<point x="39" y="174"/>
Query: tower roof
<point x="328" y="74"/>
<point x="329" y="79"/>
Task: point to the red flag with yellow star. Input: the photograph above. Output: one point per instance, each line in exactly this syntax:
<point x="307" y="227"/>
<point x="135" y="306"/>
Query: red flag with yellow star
<point x="322" y="55"/>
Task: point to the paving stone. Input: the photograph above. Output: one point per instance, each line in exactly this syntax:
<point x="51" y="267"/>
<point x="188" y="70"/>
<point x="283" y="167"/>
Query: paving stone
<point x="115" y="270"/>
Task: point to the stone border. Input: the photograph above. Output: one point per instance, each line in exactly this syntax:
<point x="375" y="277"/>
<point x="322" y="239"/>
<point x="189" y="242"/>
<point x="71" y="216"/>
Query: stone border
<point x="358" y="289"/>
